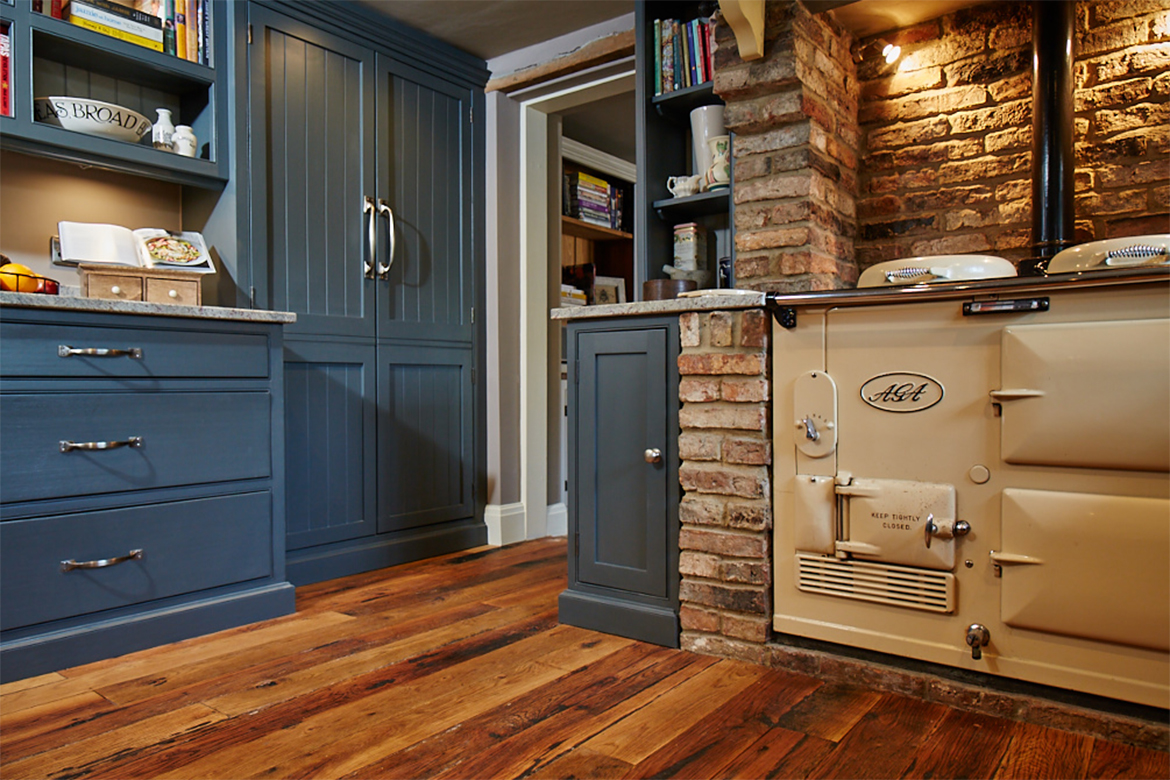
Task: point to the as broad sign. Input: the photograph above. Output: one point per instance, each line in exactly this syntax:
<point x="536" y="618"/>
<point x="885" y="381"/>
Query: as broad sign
<point x="902" y="392"/>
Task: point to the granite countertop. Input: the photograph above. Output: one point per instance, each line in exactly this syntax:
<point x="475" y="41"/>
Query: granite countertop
<point x="73" y="303"/>
<point x="709" y="300"/>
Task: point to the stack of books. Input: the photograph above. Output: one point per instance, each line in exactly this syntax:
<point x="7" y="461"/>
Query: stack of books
<point x="571" y="296"/>
<point x="178" y="27"/>
<point x="682" y="54"/>
<point x="593" y="200"/>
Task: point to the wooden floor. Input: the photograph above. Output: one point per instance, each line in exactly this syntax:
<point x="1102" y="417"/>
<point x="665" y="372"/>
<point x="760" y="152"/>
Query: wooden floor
<point x="457" y="668"/>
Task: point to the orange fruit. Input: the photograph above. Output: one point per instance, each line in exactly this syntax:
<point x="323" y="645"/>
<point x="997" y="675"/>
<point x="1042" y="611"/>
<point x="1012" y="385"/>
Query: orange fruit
<point x="15" y="277"/>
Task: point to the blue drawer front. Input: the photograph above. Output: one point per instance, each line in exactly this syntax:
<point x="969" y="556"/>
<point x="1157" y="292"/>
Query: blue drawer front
<point x="28" y="350"/>
<point x="187" y="546"/>
<point x="187" y="438"/>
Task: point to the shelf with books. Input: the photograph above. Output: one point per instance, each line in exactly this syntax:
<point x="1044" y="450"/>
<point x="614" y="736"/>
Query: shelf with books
<point x="666" y="153"/>
<point x="577" y="228"/>
<point x="64" y="59"/>
<point x="595" y="237"/>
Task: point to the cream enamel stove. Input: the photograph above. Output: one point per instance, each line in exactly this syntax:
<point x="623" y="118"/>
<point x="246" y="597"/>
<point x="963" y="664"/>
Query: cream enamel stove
<point x="975" y="473"/>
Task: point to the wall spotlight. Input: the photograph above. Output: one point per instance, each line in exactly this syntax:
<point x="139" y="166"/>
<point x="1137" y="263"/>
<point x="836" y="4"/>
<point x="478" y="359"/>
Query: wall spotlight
<point x="890" y="51"/>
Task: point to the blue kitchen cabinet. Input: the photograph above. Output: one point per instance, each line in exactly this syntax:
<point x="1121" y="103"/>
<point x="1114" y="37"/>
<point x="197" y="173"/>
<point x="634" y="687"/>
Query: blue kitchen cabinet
<point x="367" y="185"/>
<point x="623" y="478"/>
<point x="141" y="480"/>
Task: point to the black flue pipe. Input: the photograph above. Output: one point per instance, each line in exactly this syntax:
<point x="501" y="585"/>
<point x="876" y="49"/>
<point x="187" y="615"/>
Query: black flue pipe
<point x="1053" y="25"/>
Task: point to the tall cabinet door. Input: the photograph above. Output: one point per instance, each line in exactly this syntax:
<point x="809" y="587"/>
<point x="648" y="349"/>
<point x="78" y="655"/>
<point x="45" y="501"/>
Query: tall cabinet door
<point x="426" y="343"/>
<point x="312" y="138"/>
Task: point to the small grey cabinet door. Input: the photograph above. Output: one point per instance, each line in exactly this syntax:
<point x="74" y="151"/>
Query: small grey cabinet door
<point x="621" y="499"/>
<point x="312" y="149"/>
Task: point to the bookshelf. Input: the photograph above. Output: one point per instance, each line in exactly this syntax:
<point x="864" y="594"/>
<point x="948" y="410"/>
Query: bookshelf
<point x="588" y="249"/>
<point x="665" y="150"/>
<point x="52" y="57"/>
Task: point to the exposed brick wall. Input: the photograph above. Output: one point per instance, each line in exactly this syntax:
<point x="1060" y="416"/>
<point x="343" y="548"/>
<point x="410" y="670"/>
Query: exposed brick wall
<point x="726" y="453"/>
<point x="1122" y="118"/>
<point x="794" y="115"/>
<point x="947" y="132"/>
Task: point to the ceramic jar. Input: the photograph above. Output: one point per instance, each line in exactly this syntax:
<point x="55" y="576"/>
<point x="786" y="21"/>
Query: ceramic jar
<point x="690" y="247"/>
<point x="184" y="141"/>
<point x="163" y="131"/>
<point x="706" y="123"/>
<point x="719" y="174"/>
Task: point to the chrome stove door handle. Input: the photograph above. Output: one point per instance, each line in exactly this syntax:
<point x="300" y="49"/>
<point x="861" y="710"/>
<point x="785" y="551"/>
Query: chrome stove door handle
<point x="371" y="236"/>
<point x="384" y="270"/>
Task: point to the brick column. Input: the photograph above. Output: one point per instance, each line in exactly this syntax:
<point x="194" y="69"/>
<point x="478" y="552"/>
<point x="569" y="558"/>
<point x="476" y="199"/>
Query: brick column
<point x="726" y="511"/>
<point x="794" y="115"/>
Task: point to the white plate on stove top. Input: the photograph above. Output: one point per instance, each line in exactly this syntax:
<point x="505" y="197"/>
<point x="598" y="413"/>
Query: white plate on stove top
<point x="932" y="269"/>
<point x="1125" y="252"/>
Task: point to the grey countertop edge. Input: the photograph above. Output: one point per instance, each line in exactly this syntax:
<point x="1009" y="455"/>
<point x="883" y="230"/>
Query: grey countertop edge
<point x="710" y="302"/>
<point x="72" y="303"/>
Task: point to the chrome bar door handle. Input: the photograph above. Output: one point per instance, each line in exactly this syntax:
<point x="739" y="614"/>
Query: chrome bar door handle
<point x="69" y="446"/>
<point x="101" y="563"/>
<point x="368" y="207"/>
<point x="64" y="350"/>
<point x="384" y="270"/>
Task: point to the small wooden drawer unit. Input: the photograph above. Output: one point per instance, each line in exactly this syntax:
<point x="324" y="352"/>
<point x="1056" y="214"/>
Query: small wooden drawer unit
<point x="153" y="285"/>
<point x="141" y="481"/>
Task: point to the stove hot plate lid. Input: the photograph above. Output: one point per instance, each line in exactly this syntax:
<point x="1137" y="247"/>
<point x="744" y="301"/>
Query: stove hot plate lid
<point x="935" y="268"/>
<point x="1112" y="253"/>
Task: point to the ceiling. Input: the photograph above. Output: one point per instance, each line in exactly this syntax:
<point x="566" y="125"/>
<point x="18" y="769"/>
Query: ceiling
<point x="489" y="28"/>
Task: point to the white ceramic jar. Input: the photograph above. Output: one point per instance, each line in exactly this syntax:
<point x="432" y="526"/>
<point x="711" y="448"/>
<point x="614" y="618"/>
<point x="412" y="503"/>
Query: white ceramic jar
<point x="184" y="141"/>
<point x="163" y="131"/>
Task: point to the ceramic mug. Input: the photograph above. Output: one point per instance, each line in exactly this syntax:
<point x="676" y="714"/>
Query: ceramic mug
<point x="719" y="174"/>
<point x="682" y="186"/>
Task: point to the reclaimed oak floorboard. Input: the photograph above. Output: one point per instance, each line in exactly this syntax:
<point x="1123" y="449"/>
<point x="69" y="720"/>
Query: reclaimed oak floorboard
<point x="456" y="667"/>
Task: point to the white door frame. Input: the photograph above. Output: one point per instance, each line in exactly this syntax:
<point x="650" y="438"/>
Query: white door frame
<point x="536" y="373"/>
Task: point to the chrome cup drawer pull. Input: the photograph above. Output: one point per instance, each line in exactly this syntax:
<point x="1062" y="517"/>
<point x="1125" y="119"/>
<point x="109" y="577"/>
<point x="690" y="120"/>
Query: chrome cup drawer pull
<point x="101" y="563"/>
<point x="63" y="350"/>
<point x="133" y="441"/>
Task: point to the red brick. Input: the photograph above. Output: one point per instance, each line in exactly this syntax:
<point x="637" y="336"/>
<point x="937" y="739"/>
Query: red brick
<point x="699" y="446"/>
<point x="693" y="618"/>
<point x="725" y="647"/>
<point x="748" y="572"/>
<point x="751" y="599"/>
<point x="742" y="481"/>
<point x="768" y="239"/>
<point x="754" y="328"/>
<point x="696" y="510"/>
<point x="749" y="516"/>
<point x="749" y="629"/>
<point x="711" y="364"/>
<point x="689" y="332"/>
<point x="744" y="390"/>
<point x="699" y="564"/>
<point x="727" y="543"/>
<point x="696" y="390"/>
<point x="752" y="452"/>
<point x="720" y="323"/>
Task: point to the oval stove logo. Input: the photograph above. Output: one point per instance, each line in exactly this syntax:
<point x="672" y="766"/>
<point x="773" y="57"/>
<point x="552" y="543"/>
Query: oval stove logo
<point x="902" y="392"/>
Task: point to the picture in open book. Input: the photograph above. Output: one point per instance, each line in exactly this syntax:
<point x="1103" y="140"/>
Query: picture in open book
<point x="89" y="242"/>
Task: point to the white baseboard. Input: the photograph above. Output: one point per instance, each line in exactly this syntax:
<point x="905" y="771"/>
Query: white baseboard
<point x="505" y="523"/>
<point x="557" y="522"/>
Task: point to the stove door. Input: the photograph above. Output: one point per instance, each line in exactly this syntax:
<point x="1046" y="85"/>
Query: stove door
<point x="1092" y="566"/>
<point x="899" y="521"/>
<point x="1114" y="416"/>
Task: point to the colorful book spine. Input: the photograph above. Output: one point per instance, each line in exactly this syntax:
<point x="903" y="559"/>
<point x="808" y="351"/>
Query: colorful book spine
<point x="123" y="11"/>
<point x="192" y="30"/>
<point x="657" y="56"/>
<point x="678" y="54"/>
<point x="115" y="32"/>
<point x="181" y="29"/>
<point x="5" y="72"/>
<point x="169" y="27"/>
<point x="667" y="56"/>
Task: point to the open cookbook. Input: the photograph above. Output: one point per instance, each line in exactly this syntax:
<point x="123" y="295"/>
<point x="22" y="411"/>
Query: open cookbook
<point x="88" y="242"/>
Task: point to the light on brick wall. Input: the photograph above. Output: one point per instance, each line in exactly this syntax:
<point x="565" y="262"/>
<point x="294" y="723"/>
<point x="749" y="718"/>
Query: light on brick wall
<point x="889" y="52"/>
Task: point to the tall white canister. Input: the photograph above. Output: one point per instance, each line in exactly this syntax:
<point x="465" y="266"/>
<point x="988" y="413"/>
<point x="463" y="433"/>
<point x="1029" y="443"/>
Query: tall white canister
<point x="706" y="123"/>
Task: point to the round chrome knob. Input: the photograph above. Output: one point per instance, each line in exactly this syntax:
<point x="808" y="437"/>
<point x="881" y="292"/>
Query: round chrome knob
<point x="653" y="455"/>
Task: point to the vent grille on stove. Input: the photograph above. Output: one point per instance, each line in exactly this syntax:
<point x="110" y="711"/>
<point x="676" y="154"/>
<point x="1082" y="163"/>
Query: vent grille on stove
<point x="898" y="586"/>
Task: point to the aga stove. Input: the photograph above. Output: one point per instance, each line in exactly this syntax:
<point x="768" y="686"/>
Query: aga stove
<point x="976" y="473"/>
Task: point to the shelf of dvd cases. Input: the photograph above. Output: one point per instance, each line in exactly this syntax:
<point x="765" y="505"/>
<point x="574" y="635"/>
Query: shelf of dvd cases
<point x="50" y="57"/>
